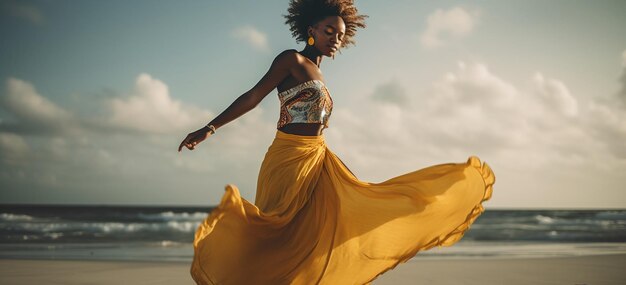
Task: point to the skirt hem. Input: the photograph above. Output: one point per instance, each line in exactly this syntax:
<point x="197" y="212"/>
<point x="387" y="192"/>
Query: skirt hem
<point x="455" y="235"/>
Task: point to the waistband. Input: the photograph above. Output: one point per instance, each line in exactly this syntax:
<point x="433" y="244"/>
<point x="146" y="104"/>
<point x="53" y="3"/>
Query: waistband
<point x="282" y="135"/>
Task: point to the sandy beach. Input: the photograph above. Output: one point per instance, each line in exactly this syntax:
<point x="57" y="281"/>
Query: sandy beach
<point x="579" y="270"/>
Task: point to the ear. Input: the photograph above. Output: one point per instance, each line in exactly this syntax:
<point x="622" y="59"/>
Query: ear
<point x="311" y="30"/>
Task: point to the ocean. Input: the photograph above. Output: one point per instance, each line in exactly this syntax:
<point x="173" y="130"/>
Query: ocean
<point x="166" y="233"/>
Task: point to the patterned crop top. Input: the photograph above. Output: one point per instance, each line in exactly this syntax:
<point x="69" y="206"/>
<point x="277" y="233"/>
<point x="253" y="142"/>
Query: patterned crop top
<point x="307" y="102"/>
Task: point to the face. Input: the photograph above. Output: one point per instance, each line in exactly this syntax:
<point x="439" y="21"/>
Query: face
<point x="328" y="34"/>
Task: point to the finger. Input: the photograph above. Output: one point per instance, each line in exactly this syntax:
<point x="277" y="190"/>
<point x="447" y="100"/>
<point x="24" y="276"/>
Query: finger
<point x="183" y="143"/>
<point x="180" y="147"/>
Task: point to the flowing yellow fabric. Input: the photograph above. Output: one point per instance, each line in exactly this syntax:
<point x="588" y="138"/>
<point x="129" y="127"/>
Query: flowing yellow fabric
<point x="314" y="222"/>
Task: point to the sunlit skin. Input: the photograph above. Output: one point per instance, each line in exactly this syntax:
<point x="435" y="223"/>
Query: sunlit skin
<point x="289" y="69"/>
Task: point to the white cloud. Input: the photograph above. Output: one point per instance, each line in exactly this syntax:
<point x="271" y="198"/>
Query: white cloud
<point x="253" y="36"/>
<point x="35" y="112"/>
<point x="537" y="134"/>
<point x="149" y="108"/>
<point x="23" y="100"/>
<point x="537" y="138"/>
<point x="555" y="94"/>
<point x="472" y="85"/>
<point x="13" y="148"/>
<point x="131" y="155"/>
<point x="607" y="122"/>
<point x="391" y="93"/>
<point x="455" y="23"/>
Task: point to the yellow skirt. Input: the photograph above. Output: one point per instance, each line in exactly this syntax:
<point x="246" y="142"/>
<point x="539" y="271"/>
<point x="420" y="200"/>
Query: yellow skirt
<point x="314" y="222"/>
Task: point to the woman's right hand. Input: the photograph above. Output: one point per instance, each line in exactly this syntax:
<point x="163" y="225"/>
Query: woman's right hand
<point x="195" y="138"/>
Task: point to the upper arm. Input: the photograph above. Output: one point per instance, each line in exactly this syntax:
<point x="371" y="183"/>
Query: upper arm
<point x="278" y="71"/>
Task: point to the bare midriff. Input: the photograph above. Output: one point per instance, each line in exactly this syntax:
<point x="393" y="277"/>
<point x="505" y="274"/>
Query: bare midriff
<point x="303" y="129"/>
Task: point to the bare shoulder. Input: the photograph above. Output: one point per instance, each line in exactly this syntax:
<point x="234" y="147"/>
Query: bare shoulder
<point x="287" y="58"/>
<point x="282" y="67"/>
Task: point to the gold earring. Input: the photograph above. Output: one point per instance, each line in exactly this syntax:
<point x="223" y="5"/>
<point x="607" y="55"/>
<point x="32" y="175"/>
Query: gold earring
<point x="311" y="40"/>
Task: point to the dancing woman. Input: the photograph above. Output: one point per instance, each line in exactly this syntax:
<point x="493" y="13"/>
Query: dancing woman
<point x="313" y="221"/>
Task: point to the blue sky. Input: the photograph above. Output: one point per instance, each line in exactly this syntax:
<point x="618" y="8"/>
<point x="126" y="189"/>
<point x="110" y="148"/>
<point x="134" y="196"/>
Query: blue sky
<point x="96" y="96"/>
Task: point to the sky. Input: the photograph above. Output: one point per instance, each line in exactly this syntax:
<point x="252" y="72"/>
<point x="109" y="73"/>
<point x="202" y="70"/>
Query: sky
<point x="95" y="97"/>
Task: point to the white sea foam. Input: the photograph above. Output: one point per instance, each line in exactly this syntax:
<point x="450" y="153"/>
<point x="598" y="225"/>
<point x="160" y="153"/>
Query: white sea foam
<point x="15" y="217"/>
<point x="171" y="216"/>
<point x="544" y="220"/>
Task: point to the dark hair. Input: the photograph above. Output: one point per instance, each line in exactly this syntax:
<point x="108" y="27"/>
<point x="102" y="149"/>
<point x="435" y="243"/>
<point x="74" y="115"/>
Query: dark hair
<point x="305" y="13"/>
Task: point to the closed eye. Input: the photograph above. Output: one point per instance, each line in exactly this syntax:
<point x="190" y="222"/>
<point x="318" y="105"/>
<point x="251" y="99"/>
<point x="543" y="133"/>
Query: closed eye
<point x="340" y="37"/>
<point x="330" y="32"/>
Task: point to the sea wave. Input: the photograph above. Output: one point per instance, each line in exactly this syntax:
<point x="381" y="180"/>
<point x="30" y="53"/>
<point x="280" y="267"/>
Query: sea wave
<point x="150" y="224"/>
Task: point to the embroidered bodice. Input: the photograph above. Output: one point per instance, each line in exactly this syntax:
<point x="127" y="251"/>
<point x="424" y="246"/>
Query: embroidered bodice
<point x="307" y="102"/>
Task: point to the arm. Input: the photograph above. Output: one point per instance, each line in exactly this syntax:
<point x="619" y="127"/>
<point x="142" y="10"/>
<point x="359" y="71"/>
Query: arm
<point x="279" y="70"/>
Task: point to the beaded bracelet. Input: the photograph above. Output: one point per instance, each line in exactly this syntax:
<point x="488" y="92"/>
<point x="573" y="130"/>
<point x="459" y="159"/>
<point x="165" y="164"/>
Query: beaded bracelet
<point x="211" y="127"/>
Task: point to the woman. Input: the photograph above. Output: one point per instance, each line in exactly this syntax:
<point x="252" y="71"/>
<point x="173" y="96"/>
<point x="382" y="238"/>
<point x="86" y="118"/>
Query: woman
<point x="313" y="221"/>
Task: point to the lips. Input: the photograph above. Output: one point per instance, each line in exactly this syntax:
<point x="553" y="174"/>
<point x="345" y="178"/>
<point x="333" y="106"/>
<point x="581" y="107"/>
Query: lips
<point x="333" y="48"/>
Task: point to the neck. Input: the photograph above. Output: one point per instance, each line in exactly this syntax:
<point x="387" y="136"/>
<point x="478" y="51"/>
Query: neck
<point x="313" y="54"/>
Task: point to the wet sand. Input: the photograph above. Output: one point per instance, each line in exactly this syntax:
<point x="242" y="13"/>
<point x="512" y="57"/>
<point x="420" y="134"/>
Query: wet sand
<point x="579" y="270"/>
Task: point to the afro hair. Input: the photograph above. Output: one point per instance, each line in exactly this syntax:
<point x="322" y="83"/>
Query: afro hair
<point x="305" y="13"/>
